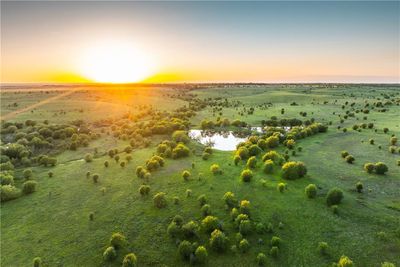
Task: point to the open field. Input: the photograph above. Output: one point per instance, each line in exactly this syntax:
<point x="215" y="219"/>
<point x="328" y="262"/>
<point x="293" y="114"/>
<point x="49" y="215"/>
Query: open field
<point x="55" y="224"/>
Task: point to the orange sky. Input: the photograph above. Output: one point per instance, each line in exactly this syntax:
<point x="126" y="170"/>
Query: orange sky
<point x="201" y="42"/>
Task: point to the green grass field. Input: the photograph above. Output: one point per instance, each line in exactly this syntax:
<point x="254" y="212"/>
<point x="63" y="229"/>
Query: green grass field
<point x="53" y="222"/>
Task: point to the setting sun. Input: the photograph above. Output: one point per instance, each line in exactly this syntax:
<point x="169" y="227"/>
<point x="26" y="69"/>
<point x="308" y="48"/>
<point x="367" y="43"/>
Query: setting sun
<point x="114" y="62"/>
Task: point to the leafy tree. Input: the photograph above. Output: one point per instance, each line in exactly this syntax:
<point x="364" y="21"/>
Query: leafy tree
<point x="210" y="223"/>
<point x="201" y="254"/>
<point x="218" y="240"/>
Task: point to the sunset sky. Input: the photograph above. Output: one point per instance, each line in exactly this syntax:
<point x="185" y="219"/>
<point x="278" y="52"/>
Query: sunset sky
<point x="201" y="41"/>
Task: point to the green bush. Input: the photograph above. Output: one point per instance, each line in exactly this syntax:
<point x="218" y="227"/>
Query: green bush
<point x="6" y="178"/>
<point x="359" y="187"/>
<point x="246" y="175"/>
<point x="293" y="170"/>
<point x="242" y="152"/>
<point x="180" y="137"/>
<point x="210" y="223"/>
<point x="234" y="213"/>
<point x="268" y="166"/>
<point x="369" y="167"/>
<point x="29" y="187"/>
<point x="186" y="175"/>
<point x="245" y="227"/>
<point x="37" y="262"/>
<point x="130" y="260"/>
<point x="323" y="248"/>
<point x="260" y="228"/>
<point x="174" y="230"/>
<point x="218" y="240"/>
<point x="251" y="162"/>
<point x="9" y="192"/>
<point x="344" y="154"/>
<point x="230" y="199"/>
<point x="205" y="156"/>
<point x="236" y="159"/>
<point x="240" y="218"/>
<point x="311" y="191"/>
<point x="334" y="197"/>
<point x="388" y="264"/>
<point x="261" y="259"/>
<point x="349" y="159"/>
<point x="381" y="168"/>
<point x="190" y="229"/>
<point x="244" y="207"/>
<point x="88" y="157"/>
<point x="95" y="178"/>
<point x="201" y="254"/>
<point x="185" y="249"/>
<point x="206" y="210"/>
<point x="215" y="169"/>
<point x="160" y="200"/>
<point x="144" y="190"/>
<point x="275" y="241"/>
<point x="345" y="261"/>
<point x="118" y="240"/>
<point x="244" y="246"/>
<point x="27" y="173"/>
<point x="202" y="199"/>
<point x="274" y="252"/>
<point x="281" y="187"/>
<point x="180" y="151"/>
<point x="109" y="254"/>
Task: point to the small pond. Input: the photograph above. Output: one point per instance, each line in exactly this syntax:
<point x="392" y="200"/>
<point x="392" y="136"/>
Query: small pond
<point x="221" y="140"/>
<point x="225" y="140"/>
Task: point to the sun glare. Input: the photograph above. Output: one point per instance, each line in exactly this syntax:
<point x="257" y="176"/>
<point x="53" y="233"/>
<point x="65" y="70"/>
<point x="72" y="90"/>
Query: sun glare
<point x="116" y="63"/>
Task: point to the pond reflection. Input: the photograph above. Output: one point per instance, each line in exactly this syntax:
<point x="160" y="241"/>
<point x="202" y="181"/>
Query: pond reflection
<point x="221" y="140"/>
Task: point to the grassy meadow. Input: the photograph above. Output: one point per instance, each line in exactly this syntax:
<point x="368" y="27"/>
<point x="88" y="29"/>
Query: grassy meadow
<point x="55" y="224"/>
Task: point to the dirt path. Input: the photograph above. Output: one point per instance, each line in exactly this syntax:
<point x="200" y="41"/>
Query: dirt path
<point x="41" y="103"/>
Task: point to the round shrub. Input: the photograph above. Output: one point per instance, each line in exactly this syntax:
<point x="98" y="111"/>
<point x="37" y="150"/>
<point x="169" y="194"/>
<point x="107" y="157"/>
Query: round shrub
<point x="185" y="249"/>
<point x="29" y="187"/>
<point x="251" y="162"/>
<point x="95" y="178"/>
<point x="50" y="174"/>
<point x="109" y="254"/>
<point x="176" y="200"/>
<point x="118" y="240"/>
<point x="290" y="143"/>
<point x="122" y="164"/>
<point x="268" y="166"/>
<point x="261" y="259"/>
<point x="244" y="207"/>
<point x="246" y="175"/>
<point x="188" y="192"/>
<point x="393" y="140"/>
<point x="234" y="213"/>
<point x="190" y="229"/>
<point x="201" y="254"/>
<point x="178" y="220"/>
<point x="144" y="190"/>
<point x="260" y="228"/>
<point x="215" y="169"/>
<point x="311" y="191"/>
<point x="349" y="159"/>
<point x="9" y="192"/>
<point x="180" y="137"/>
<point x="344" y="154"/>
<point x="130" y="260"/>
<point x="381" y="168"/>
<point x="274" y="252"/>
<point x="236" y="159"/>
<point x="218" y="241"/>
<point x="275" y="241"/>
<point x="242" y="152"/>
<point x="244" y="245"/>
<point x="254" y="150"/>
<point x="245" y="227"/>
<point x="202" y="199"/>
<point x="281" y="187"/>
<point x="37" y="262"/>
<point x="186" y="175"/>
<point x="230" y="199"/>
<point x="27" y="173"/>
<point x="293" y="170"/>
<point x="369" y="167"/>
<point x="323" y="248"/>
<point x="240" y="218"/>
<point x="345" y="261"/>
<point x="174" y="230"/>
<point x="160" y="200"/>
<point x="334" y="197"/>
<point x="359" y="187"/>
<point x="210" y="223"/>
<point x="206" y="210"/>
<point x="88" y="157"/>
<point x="205" y="156"/>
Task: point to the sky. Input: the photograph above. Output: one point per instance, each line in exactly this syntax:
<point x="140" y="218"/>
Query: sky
<point x="203" y="41"/>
